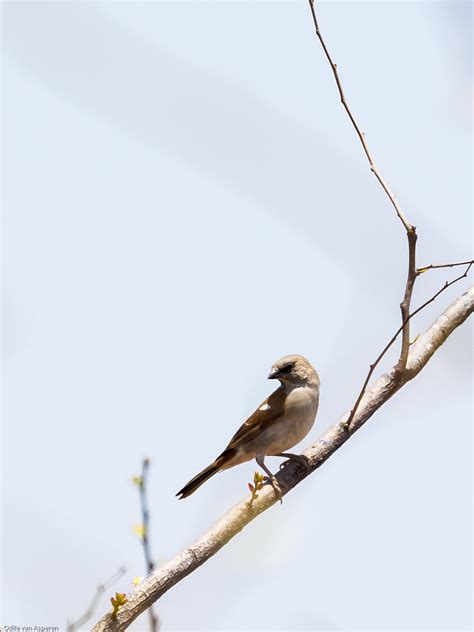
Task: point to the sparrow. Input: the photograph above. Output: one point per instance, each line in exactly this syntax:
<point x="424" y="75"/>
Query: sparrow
<point x="278" y="424"/>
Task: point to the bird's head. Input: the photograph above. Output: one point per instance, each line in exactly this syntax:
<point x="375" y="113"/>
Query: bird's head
<point x="294" y="370"/>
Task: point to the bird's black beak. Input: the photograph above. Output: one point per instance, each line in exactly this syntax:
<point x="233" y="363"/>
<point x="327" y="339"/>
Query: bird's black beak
<point x="274" y="373"/>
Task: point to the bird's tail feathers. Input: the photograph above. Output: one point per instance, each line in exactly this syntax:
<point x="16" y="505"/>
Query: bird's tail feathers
<point x="201" y="478"/>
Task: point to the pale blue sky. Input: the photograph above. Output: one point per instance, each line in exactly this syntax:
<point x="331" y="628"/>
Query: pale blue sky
<point x="184" y="202"/>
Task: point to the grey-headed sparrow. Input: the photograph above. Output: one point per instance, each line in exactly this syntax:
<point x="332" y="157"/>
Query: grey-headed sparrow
<point x="281" y="422"/>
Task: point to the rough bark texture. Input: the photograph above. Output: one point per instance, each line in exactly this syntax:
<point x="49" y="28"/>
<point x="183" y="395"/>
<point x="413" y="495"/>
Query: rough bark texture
<point x="164" y="578"/>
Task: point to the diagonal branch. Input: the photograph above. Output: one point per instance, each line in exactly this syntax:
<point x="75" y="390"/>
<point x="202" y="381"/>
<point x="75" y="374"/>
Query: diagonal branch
<point x="229" y="525"/>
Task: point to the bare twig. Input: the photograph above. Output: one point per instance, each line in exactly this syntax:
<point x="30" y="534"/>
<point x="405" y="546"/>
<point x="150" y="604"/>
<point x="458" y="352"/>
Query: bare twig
<point x="410" y="229"/>
<point x="347" y="423"/>
<point x="229" y="525"/>
<point x="72" y="626"/>
<point x="443" y="265"/>
<point x="359" y="132"/>
<point x="145" y="534"/>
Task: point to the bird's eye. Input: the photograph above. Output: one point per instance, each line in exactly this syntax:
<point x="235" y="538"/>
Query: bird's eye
<point x="287" y="368"/>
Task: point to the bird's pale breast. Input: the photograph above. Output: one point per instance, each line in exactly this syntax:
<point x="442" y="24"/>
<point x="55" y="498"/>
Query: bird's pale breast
<point x="301" y="406"/>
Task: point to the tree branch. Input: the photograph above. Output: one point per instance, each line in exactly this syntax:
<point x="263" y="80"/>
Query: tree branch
<point x="410" y="229"/>
<point x="229" y="525"/>
<point x="150" y="565"/>
<point x="360" y="134"/>
<point x="405" y="304"/>
<point x="444" y="265"/>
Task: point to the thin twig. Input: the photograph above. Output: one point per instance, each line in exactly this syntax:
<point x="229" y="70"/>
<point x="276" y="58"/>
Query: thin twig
<point x="443" y="265"/>
<point x="150" y="565"/>
<point x="360" y="134"/>
<point x="71" y="626"/>
<point x="410" y="229"/>
<point x="346" y="424"/>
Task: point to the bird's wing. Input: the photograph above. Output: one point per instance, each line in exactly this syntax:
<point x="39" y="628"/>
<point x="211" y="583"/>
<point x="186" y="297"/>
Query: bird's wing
<point x="268" y="412"/>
